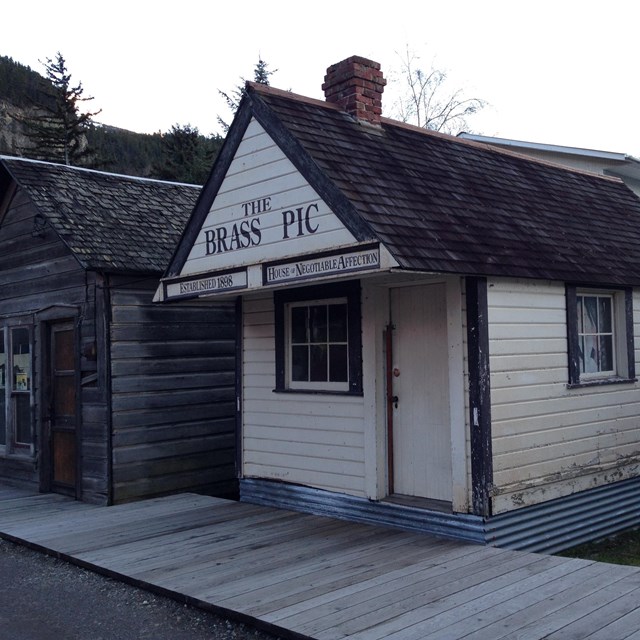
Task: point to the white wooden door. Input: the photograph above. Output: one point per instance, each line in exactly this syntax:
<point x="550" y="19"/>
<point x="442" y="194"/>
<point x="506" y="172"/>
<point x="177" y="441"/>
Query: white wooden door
<point x="421" y="429"/>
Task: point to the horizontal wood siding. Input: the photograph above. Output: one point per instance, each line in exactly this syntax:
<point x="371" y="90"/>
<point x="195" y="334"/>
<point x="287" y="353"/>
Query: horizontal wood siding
<point x="37" y="271"/>
<point x="548" y="440"/>
<point x="173" y="394"/>
<point x="309" y="439"/>
<point x="261" y="170"/>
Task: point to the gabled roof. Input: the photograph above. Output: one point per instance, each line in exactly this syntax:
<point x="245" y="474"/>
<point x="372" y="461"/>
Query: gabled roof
<point x="110" y="222"/>
<point x="443" y="204"/>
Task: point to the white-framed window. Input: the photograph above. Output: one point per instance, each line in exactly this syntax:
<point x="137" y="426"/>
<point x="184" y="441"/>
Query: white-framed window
<point x="318" y="339"/>
<point x="600" y="325"/>
<point x="596" y="333"/>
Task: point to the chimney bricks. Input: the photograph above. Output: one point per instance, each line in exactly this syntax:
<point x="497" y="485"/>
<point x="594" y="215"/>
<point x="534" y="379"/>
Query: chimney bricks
<point x="356" y="85"/>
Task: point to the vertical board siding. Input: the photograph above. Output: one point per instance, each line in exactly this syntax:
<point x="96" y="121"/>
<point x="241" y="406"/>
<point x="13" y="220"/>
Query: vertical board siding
<point x="548" y="440"/>
<point x="173" y="395"/>
<point x="308" y="439"/>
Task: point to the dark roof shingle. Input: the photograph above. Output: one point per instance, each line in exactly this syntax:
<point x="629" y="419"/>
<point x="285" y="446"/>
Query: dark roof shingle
<point x="110" y="222"/>
<point x="443" y="204"/>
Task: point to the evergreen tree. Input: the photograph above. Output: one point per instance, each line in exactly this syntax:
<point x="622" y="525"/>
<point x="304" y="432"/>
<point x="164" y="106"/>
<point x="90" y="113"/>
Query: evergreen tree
<point x="56" y="127"/>
<point x="187" y="156"/>
<point x="261" y="75"/>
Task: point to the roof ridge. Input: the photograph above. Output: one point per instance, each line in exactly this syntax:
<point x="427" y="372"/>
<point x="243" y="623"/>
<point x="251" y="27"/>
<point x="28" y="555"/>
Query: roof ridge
<point x="96" y="171"/>
<point x="268" y="90"/>
<point x="487" y="146"/>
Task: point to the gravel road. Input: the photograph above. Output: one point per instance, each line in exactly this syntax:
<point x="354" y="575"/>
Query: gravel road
<point x="43" y="598"/>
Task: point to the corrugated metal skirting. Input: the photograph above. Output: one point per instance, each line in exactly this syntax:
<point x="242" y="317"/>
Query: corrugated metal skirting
<point x="339" y="505"/>
<point x="548" y="527"/>
<point x="566" y="522"/>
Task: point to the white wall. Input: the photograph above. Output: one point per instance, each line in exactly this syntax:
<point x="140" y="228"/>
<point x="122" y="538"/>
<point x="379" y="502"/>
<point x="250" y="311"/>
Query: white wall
<point x="548" y="440"/>
<point x="309" y="439"/>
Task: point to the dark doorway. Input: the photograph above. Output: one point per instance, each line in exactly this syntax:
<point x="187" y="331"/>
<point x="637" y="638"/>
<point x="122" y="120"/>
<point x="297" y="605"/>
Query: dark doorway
<point x="60" y="409"/>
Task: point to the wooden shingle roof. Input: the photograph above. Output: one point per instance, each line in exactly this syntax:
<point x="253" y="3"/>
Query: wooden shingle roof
<point x="442" y="204"/>
<point x="110" y="222"/>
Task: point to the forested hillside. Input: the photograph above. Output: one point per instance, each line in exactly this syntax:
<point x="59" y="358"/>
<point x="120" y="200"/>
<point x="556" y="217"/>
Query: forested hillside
<point x="181" y="154"/>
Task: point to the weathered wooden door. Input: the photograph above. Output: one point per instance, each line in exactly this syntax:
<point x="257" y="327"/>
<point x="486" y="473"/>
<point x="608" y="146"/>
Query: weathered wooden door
<point x="419" y="379"/>
<point x="61" y="408"/>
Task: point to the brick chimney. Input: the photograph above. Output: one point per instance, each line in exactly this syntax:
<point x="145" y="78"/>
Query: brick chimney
<point x="356" y="85"/>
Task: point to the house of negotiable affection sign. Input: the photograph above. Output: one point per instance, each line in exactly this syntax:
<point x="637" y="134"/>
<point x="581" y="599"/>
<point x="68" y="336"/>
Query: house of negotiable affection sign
<point x="321" y="266"/>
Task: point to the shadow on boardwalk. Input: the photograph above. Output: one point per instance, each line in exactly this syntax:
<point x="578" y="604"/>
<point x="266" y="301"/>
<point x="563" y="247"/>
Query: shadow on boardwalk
<point x="305" y="576"/>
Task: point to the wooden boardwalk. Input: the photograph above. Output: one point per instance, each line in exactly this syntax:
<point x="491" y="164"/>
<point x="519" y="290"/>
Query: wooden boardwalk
<point x="305" y="576"/>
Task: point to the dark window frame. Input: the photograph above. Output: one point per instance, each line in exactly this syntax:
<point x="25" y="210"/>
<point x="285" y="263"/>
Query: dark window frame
<point x="13" y="395"/>
<point x="349" y="290"/>
<point x="623" y="344"/>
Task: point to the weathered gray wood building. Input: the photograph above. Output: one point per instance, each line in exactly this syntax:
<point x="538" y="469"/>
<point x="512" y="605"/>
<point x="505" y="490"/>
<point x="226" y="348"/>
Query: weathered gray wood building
<point x="436" y="334"/>
<point x="103" y="395"/>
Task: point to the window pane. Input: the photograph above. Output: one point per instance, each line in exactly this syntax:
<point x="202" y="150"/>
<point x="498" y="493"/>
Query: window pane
<point x="22" y="418"/>
<point x="300" y="363"/>
<point x="299" y="325"/>
<point x="591" y="354"/>
<point x="590" y="314"/>
<point x="337" y="323"/>
<point x="580" y="322"/>
<point x="318" y="363"/>
<point x="604" y="315"/>
<point x="338" y="354"/>
<point x="21" y="359"/>
<point x="606" y="353"/>
<point x="581" y="354"/>
<point x="318" y="324"/>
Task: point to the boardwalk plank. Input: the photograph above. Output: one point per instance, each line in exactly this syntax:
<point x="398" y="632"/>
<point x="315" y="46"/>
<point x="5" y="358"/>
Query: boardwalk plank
<point x="595" y="611"/>
<point x="439" y="615"/>
<point x="335" y="601"/>
<point x="326" y="579"/>
<point x="273" y="544"/>
<point x="378" y="611"/>
<point x="389" y="600"/>
<point x="533" y="606"/>
<point x="626" y="627"/>
<point x="394" y="552"/>
<point x="220" y="526"/>
<point x="339" y="573"/>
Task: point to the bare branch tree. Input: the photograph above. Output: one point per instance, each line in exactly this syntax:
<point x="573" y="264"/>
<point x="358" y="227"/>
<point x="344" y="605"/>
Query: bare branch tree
<point x="425" y="101"/>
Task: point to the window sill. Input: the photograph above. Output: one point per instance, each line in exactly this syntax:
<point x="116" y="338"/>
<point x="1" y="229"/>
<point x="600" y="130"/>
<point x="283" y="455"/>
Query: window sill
<point x="600" y="382"/>
<point x="319" y="392"/>
<point x="25" y="456"/>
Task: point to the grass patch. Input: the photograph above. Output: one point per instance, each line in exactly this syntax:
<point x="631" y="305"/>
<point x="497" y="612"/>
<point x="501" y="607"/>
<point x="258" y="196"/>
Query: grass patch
<point x="623" y="548"/>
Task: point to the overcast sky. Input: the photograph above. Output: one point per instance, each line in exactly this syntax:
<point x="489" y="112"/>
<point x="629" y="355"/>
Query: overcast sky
<point x="560" y="72"/>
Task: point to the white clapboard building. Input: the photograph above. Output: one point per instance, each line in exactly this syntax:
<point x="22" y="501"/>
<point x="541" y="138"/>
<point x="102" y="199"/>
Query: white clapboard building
<point x="433" y="334"/>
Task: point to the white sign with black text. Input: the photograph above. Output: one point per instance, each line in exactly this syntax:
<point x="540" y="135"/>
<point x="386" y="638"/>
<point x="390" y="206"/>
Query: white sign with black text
<point x="322" y="266"/>
<point x="216" y="283"/>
